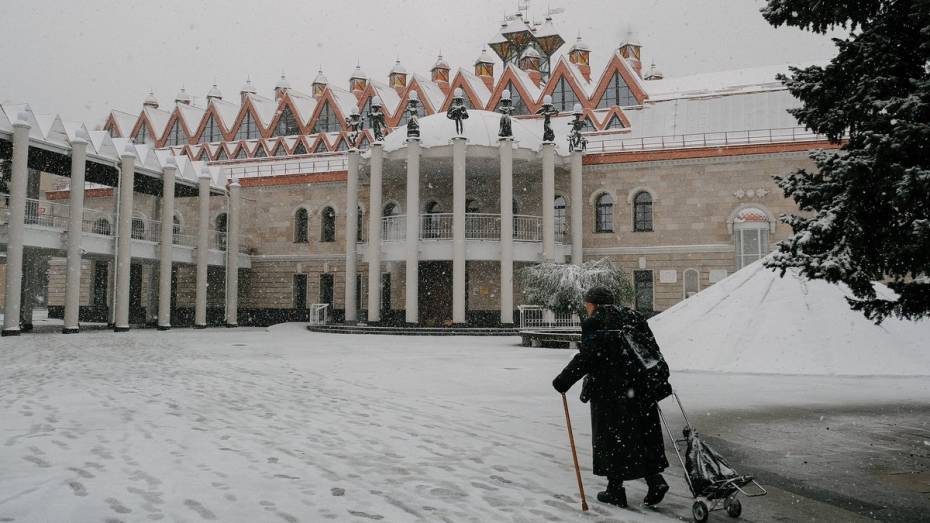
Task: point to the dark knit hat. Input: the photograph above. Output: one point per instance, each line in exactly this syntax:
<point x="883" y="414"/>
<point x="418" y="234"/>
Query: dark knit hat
<point x="599" y="296"/>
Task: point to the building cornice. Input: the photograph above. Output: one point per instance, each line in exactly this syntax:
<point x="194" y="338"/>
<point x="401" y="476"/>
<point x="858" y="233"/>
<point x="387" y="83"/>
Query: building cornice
<point x="659" y="249"/>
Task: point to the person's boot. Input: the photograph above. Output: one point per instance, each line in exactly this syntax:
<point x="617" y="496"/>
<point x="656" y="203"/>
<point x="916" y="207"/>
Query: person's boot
<point x="614" y="495"/>
<point x="657" y="489"/>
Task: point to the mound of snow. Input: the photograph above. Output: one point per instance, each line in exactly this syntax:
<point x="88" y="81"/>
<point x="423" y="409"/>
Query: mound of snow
<point x="757" y="322"/>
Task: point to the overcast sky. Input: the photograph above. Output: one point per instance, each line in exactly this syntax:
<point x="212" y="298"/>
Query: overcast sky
<point x="81" y="58"/>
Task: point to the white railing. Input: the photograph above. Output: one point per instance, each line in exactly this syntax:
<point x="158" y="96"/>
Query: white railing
<point x="282" y="168"/>
<point x="97" y="222"/>
<point x="436" y="226"/>
<point x="393" y="228"/>
<point x="146" y="230"/>
<point x="611" y="143"/>
<point x="535" y="316"/>
<point x="319" y="314"/>
<point x="527" y="228"/>
<point x="47" y="214"/>
<point x="480" y="226"/>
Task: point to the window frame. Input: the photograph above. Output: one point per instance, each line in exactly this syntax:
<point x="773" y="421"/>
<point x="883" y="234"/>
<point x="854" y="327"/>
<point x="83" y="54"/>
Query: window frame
<point x="328" y="225"/>
<point x="604" y="219"/>
<point x="643" y="217"/>
<point x="301" y="230"/>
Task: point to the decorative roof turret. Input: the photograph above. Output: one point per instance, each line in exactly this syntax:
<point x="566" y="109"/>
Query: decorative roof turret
<point x="631" y="50"/>
<point x="440" y="70"/>
<point x="319" y="84"/>
<point x="653" y="73"/>
<point x="150" y="101"/>
<point x="182" y="97"/>
<point x="359" y="80"/>
<point x="282" y="86"/>
<point x="580" y="55"/>
<point x="484" y="68"/>
<point x="247" y="89"/>
<point x="214" y="94"/>
<point x="398" y="77"/>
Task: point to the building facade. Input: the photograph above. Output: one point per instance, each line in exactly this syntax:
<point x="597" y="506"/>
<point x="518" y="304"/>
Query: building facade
<point x="275" y="216"/>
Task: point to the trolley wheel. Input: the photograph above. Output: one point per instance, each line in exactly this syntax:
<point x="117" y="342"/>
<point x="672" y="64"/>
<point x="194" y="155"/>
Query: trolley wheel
<point x="734" y="507"/>
<point x="699" y="511"/>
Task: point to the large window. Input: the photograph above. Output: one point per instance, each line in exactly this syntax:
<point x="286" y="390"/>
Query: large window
<point x="642" y="212"/>
<point x="301" y="222"/>
<point x="300" y="148"/>
<point x="176" y="230"/>
<point x="142" y="135"/>
<point x="563" y="97"/>
<point x="328" y="225"/>
<point x="692" y="282"/>
<point x="211" y="131"/>
<point x="138" y="229"/>
<point x="327" y="289"/>
<point x="300" y="291"/>
<point x="751" y="235"/>
<point x="642" y="291"/>
<point x="221" y="232"/>
<point x="519" y="105"/>
<point x="221" y="154"/>
<point x="604" y="213"/>
<point x="618" y="94"/>
<point x="327" y="122"/>
<point x="176" y="135"/>
<point x="247" y="128"/>
<point x="102" y="226"/>
<point x="561" y="226"/>
<point x="287" y="124"/>
<point x="390" y="210"/>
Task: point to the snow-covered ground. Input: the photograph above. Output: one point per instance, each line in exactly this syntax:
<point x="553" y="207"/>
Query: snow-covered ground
<point x="755" y="321"/>
<point x="284" y="425"/>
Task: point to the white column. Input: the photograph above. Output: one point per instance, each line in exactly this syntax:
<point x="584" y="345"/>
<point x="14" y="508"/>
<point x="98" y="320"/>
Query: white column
<point x="412" y="276"/>
<point x="232" y="256"/>
<point x="458" y="230"/>
<point x="75" y="232"/>
<point x="124" y="237"/>
<point x="548" y="200"/>
<point x="203" y="249"/>
<point x="374" y="234"/>
<point x="506" y="293"/>
<point x="351" y="314"/>
<point x="165" y="248"/>
<point x="577" y="207"/>
<point x="14" y="247"/>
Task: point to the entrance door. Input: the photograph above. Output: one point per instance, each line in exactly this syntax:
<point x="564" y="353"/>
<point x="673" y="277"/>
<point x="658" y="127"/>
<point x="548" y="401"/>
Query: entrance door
<point x="300" y="291"/>
<point x="327" y="286"/>
<point x="385" y="294"/>
<point x="435" y="283"/>
<point x="101" y="282"/>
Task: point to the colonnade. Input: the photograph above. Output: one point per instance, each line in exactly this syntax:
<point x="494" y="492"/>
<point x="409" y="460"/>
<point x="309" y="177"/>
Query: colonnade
<point x="458" y="226"/>
<point x="123" y="248"/>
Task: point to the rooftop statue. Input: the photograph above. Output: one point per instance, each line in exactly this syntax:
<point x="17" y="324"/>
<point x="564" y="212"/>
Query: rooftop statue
<point x="376" y="119"/>
<point x="506" y="109"/>
<point x="547" y="110"/>
<point x="413" y="122"/>
<point x="355" y="124"/>
<point x="458" y="111"/>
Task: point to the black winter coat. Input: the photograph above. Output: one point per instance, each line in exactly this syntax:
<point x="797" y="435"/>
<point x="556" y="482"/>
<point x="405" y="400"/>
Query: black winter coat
<point x="625" y="427"/>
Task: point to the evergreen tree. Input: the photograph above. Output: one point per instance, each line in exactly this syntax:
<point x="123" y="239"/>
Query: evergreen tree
<point x="866" y="209"/>
<point x="561" y="286"/>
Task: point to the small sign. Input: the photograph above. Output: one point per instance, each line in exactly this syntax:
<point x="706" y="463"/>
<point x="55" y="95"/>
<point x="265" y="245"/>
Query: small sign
<point x="668" y="276"/>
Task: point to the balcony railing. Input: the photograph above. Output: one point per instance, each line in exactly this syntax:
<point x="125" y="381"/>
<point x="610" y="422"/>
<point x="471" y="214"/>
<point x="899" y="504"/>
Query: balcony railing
<point x="478" y="226"/>
<point x="436" y="226"/>
<point x="608" y="144"/>
<point x="306" y="166"/>
<point x="393" y="228"/>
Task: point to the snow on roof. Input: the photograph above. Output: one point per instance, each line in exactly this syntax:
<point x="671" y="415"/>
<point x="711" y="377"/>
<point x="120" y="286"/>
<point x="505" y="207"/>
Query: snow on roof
<point x="526" y="82"/>
<point x="547" y="29"/>
<point x="283" y="83"/>
<point x="738" y="80"/>
<point x="124" y="121"/>
<point x="158" y="118"/>
<point x="227" y="112"/>
<point x="484" y="57"/>
<point x="264" y="108"/>
<point x="345" y="100"/>
<point x="477" y="86"/>
<point x="320" y="78"/>
<point x="481" y="128"/>
<point x="390" y="100"/>
<point x="757" y="322"/>
<point x="304" y="104"/>
<point x="214" y="92"/>
<point x="587" y="87"/>
<point x="433" y="92"/>
<point x="191" y="115"/>
<point x="441" y="63"/>
<point x="398" y="68"/>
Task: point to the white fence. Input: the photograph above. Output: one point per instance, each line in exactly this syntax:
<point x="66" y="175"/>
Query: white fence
<point x="536" y="316"/>
<point x="319" y="314"/>
<point x="608" y="143"/>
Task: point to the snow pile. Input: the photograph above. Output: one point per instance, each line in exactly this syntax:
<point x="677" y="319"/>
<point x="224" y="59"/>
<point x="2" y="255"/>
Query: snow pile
<point x="755" y="321"/>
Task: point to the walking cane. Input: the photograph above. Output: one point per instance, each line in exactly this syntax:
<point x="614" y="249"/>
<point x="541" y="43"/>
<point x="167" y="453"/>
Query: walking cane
<point x="571" y="441"/>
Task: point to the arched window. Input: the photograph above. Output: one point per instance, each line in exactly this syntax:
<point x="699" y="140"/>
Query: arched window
<point x="328" y="225"/>
<point x="692" y="282"/>
<point x="471" y="205"/>
<point x="604" y="213"/>
<point x="389" y="210"/>
<point x="431" y="222"/>
<point x="642" y="212"/>
<point x="561" y="227"/>
<point x="751" y="235"/>
<point x="102" y="226"/>
<point x="138" y="228"/>
<point x="221" y="231"/>
<point x="301" y="221"/>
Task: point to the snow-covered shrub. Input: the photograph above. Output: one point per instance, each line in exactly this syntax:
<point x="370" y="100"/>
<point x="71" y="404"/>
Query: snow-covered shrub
<point x="561" y="287"/>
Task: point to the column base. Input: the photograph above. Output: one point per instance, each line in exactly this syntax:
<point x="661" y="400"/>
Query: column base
<point x="10" y="332"/>
<point x="73" y="330"/>
<point x="232" y="325"/>
<point x="200" y="326"/>
<point x="26" y="327"/>
<point x="459" y="325"/>
<point x="163" y="327"/>
<point x="120" y="329"/>
<point x="412" y="324"/>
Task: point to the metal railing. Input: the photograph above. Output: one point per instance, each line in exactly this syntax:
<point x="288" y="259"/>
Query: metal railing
<point x="482" y="226"/>
<point x="281" y="168"/>
<point x="436" y="226"/>
<point x="393" y="228"/>
<point x="146" y="230"/>
<point x="607" y="143"/>
<point x="97" y="222"/>
<point x="47" y="214"/>
<point x="536" y="316"/>
<point x="319" y="314"/>
<point x="527" y="228"/>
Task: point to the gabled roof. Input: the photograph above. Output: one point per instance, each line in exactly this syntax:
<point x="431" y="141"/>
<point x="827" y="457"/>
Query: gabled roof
<point x="389" y="97"/>
<point x="265" y="109"/>
<point x="191" y="115"/>
<point x="345" y="101"/>
<point x="430" y="92"/>
<point x="584" y="88"/>
<point x="460" y="80"/>
<point x="619" y="64"/>
<point x="303" y="106"/>
<point x="124" y="121"/>
<point x="226" y="113"/>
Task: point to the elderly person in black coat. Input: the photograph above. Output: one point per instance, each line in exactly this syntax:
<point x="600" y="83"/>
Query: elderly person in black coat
<point x="626" y="431"/>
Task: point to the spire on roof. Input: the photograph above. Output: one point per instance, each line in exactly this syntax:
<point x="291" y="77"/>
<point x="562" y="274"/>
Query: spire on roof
<point x="440" y="70"/>
<point x="247" y="88"/>
<point x="398" y="76"/>
<point x="283" y="83"/>
<point x="653" y="73"/>
<point x="182" y="97"/>
<point x="319" y="83"/>
<point x="214" y="94"/>
<point x="150" y="100"/>
<point x="359" y="80"/>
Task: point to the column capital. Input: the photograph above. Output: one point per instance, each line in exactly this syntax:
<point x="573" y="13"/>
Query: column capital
<point x="459" y="138"/>
<point x="413" y="139"/>
<point x="22" y="120"/>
